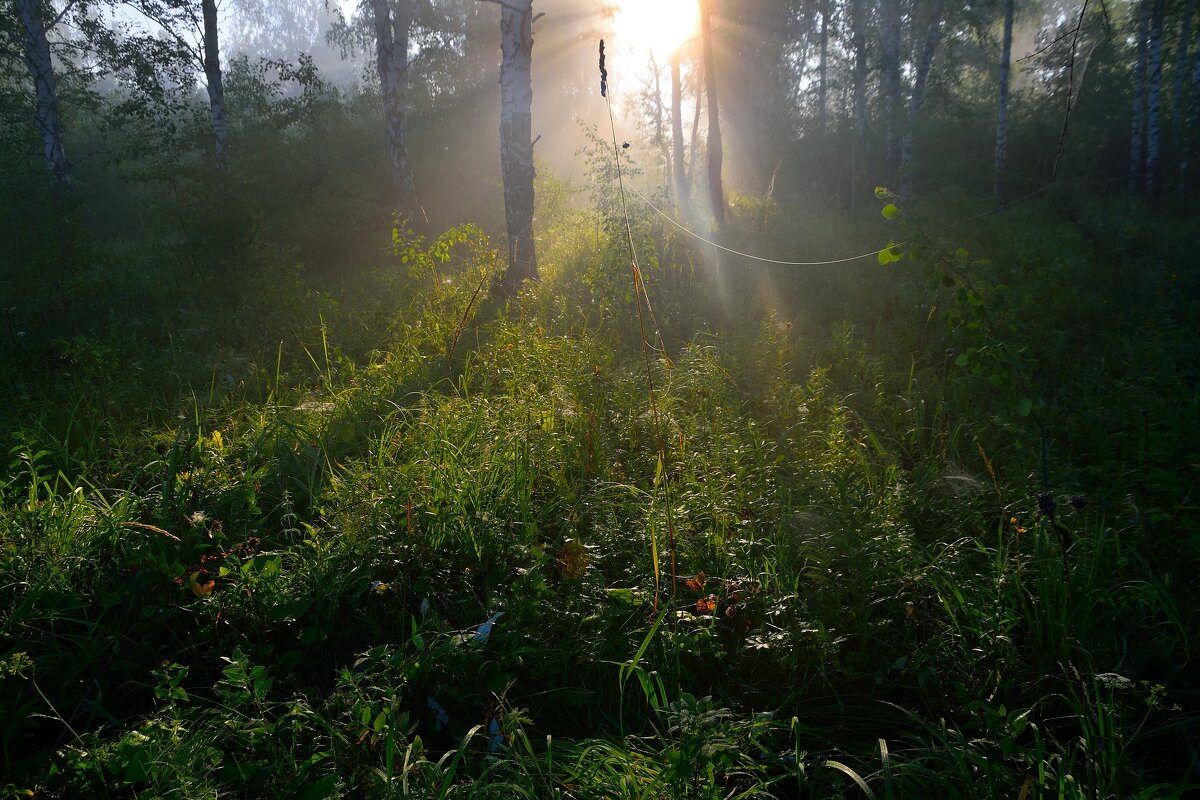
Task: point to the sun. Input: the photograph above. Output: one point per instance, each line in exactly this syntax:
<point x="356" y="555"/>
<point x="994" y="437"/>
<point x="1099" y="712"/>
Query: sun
<point x="642" y="27"/>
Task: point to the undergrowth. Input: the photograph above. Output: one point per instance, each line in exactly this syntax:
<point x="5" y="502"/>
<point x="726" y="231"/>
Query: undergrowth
<point x="265" y="540"/>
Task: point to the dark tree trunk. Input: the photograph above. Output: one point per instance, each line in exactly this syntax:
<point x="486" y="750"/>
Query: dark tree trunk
<point x="1154" y="99"/>
<point x="212" y="74"/>
<point x="41" y="69"/>
<point x="890" y="85"/>
<point x="682" y="190"/>
<point x="715" y="153"/>
<point x="1137" y="133"/>
<point x="391" y="51"/>
<point x="933" y="36"/>
<point x="516" y="140"/>
<point x="1002" y="102"/>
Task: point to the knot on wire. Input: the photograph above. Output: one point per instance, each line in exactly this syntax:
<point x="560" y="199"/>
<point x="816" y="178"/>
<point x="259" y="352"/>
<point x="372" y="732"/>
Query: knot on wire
<point x="603" y="72"/>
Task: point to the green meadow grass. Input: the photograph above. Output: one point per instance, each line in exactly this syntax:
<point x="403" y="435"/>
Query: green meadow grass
<point x="383" y="535"/>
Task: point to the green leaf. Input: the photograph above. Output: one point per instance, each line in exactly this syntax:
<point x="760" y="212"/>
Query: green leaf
<point x="889" y="211"/>
<point x="1024" y="406"/>
<point x="889" y="254"/>
<point x="962" y="360"/>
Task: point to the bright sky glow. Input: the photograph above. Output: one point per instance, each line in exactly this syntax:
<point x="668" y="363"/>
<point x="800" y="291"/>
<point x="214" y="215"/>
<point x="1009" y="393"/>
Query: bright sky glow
<point x="661" y="26"/>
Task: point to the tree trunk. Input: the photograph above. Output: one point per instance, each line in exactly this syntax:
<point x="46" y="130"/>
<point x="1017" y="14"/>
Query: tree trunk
<point x="823" y="69"/>
<point x="660" y="137"/>
<point x="715" y="153"/>
<point x="694" y="147"/>
<point x="1192" y="121"/>
<point x="682" y="191"/>
<point x="1002" y="102"/>
<point x="858" y="43"/>
<point x="391" y="52"/>
<point x="932" y="37"/>
<point x="212" y="74"/>
<point x="1182" y="65"/>
<point x="890" y="85"/>
<point x="1154" y="101"/>
<point x="1138" y="127"/>
<point x="45" y="84"/>
<point x="516" y="140"/>
<point x="859" y="24"/>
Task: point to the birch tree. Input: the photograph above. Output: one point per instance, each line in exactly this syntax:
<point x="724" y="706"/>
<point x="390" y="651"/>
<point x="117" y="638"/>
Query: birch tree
<point x="213" y="77"/>
<point x="858" y="27"/>
<point x="933" y="35"/>
<point x="198" y="38"/>
<point x="823" y="68"/>
<point x="1154" y="98"/>
<point x="1002" y="101"/>
<point x="1138" y="126"/>
<point x="516" y="139"/>
<point x="393" y="22"/>
<point x="890" y="83"/>
<point x="682" y="190"/>
<point x="1179" y="89"/>
<point x="35" y="19"/>
<point x="858" y="23"/>
<point x="715" y="153"/>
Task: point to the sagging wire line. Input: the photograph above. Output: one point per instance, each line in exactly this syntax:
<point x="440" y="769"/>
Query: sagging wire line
<point x="710" y="242"/>
<point x="1002" y="207"/>
<point x="640" y="294"/>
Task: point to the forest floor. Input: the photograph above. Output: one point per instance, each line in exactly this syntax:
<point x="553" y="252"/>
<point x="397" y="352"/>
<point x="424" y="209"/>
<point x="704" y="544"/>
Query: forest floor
<point x="928" y="527"/>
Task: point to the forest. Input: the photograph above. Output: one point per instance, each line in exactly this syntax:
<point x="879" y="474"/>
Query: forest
<point x="639" y="399"/>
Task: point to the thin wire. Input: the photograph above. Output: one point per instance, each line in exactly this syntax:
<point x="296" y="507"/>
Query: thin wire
<point x="689" y="232"/>
<point x="695" y="235"/>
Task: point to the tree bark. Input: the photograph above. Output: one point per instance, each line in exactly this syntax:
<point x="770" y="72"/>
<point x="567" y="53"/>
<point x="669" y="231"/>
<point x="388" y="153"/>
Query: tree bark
<point x="715" y="153"/>
<point x="516" y="141"/>
<point x="212" y="74"/>
<point x="1154" y="100"/>
<point x="933" y="37"/>
<point x="1179" y="91"/>
<point x="1192" y="125"/>
<point x="890" y="85"/>
<point x="682" y="191"/>
<point x="823" y="69"/>
<point x="1138" y="128"/>
<point x="391" y="52"/>
<point x="660" y="137"/>
<point x="45" y="83"/>
<point x="859" y="25"/>
<point x="694" y="147"/>
<point x="1002" y="102"/>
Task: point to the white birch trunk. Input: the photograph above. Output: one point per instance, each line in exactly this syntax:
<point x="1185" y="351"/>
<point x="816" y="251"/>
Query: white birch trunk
<point x="715" y="151"/>
<point x="391" y="52"/>
<point x="41" y="69"/>
<point x="933" y="36"/>
<point x="516" y="140"/>
<point x="214" y="78"/>
<point x="823" y="68"/>
<point x="1138" y="126"/>
<point x="1154" y="100"/>
<point x="1002" y="102"/>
